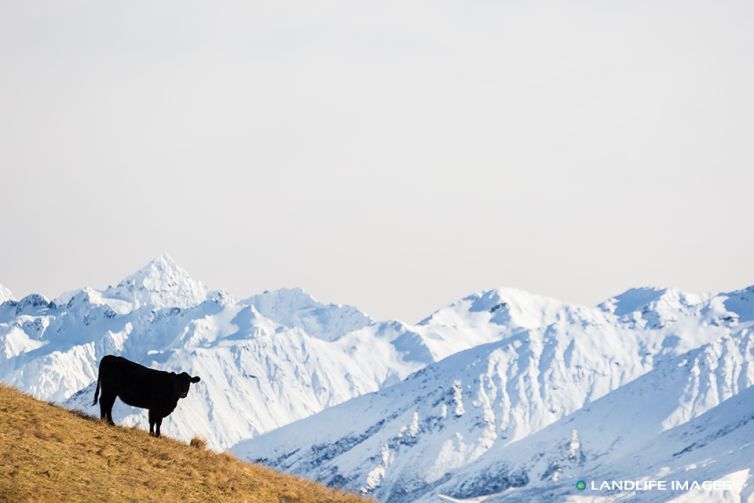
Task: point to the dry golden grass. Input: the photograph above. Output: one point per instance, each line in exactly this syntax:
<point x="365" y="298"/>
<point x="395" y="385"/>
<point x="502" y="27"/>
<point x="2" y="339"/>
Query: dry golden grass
<point x="51" y="454"/>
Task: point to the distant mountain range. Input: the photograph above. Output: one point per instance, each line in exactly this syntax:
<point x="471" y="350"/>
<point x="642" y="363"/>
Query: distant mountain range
<point x="501" y="395"/>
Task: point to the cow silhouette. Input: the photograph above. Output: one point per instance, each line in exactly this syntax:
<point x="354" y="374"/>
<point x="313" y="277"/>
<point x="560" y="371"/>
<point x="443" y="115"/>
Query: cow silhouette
<point x="139" y="386"/>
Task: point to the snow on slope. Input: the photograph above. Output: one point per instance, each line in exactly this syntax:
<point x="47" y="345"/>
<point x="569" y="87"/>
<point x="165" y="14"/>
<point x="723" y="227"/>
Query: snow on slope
<point x="306" y="356"/>
<point x="525" y="362"/>
<point x="716" y="446"/>
<point x="313" y="374"/>
<point x="51" y="349"/>
<point x="293" y="307"/>
<point x="479" y="318"/>
<point x="256" y="375"/>
<point x="486" y="317"/>
<point x="622" y="436"/>
<point x="403" y="442"/>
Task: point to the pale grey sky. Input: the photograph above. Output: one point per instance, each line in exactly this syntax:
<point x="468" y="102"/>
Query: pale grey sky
<point x="392" y="155"/>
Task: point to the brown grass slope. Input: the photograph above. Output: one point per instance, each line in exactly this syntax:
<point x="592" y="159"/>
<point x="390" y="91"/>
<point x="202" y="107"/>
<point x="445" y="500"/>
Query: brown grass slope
<point x="51" y="454"/>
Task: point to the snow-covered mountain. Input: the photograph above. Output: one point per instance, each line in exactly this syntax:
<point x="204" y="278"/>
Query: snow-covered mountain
<point x="161" y="283"/>
<point x="264" y="361"/>
<point x="646" y="429"/>
<point x="256" y="374"/>
<point x="486" y="317"/>
<point x="500" y="395"/>
<point x="454" y="428"/>
<point x="715" y="446"/>
<point x="293" y="307"/>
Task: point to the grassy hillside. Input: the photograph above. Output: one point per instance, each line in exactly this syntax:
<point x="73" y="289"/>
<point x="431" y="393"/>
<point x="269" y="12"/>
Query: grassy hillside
<point x="51" y="454"/>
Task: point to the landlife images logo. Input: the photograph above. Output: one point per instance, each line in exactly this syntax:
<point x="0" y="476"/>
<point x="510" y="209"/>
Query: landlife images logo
<point x="614" y="486"/>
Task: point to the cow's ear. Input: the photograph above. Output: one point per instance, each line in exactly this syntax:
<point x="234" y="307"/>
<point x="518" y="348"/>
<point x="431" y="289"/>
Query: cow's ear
<point x="195" y="379"/>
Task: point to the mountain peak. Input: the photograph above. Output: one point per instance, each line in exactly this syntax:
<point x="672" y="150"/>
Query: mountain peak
<point x="293" y="307"/>
<point x="163" y="262"/>
<point x="489" y="299"/>
<point x="649" y="298"/>
<point x="161" y="267"/>
<point x="161" y="283"/>
<point x="505" y="305"/>
<point x="656" y="307"/>
<point x="5" y="294"/>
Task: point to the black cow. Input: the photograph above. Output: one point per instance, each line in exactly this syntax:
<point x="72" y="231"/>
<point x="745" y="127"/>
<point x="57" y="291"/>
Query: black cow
<point x="140" y="386"/>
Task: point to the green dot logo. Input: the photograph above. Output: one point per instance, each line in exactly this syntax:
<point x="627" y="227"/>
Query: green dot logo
<point x="580" y="485"/>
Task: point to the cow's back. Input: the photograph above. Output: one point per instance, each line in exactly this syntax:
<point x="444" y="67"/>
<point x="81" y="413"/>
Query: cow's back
<point x="133" y="383"/>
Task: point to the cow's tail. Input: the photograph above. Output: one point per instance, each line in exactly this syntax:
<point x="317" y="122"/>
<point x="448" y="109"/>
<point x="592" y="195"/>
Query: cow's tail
<point x="96" y="392"/>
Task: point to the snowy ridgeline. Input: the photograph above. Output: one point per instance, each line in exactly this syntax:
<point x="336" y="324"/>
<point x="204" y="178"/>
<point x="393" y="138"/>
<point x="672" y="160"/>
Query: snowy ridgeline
<point x="306" y="355"/>
<point x="501" y="393"/>
<point x="589" y="397"/>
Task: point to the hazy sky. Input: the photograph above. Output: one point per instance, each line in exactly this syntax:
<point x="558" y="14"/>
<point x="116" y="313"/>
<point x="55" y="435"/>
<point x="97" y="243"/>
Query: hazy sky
<point x="391" y="155"/>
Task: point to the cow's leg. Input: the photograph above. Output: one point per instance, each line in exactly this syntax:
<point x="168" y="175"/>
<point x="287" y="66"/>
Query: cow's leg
<point x="151" y="422"/>
<point x="110" y="410"/>
<point x="106" y="402"/>
<point x="158" y="422"/>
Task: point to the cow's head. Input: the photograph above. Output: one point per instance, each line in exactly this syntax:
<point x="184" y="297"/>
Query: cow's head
<point x="183" y="383"/>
